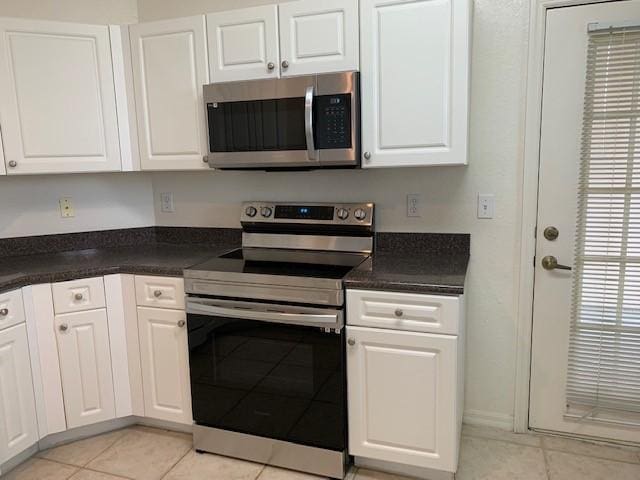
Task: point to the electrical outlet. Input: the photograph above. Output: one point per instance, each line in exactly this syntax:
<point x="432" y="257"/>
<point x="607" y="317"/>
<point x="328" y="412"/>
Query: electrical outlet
<point x="413" y="205"/>
<point x="166" y="202"/>
<point x="66" y="207"/>
<point x="486" y="205"/>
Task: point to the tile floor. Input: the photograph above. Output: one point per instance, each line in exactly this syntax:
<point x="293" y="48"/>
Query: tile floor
<point x="487" y="454"/>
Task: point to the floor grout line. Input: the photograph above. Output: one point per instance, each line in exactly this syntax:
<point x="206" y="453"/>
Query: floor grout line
<point x="547" y="467"/>
<point x="179" y="460"/>
<point x="264" y="466"/>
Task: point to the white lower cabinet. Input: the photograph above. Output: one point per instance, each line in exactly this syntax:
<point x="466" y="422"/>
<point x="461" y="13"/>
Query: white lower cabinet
<point x="18" y="424"/>
<point x="85" y="367"/>
<point x="165" y="364"/>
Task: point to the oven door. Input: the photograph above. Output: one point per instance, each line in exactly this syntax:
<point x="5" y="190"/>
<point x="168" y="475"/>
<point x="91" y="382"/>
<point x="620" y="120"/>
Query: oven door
<point x="274" y="371"/>
<point x="299" y="122"/>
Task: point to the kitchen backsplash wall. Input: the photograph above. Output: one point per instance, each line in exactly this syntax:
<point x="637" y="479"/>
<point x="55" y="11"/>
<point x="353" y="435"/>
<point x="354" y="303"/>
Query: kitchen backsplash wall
<point x="88" y="11"/>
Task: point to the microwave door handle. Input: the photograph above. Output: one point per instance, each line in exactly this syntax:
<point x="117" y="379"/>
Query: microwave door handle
<point x="312" y="153"/>
<point x="329" y="320"/>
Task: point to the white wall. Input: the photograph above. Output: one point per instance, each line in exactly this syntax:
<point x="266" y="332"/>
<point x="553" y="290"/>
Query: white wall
<point x="29" y="205"/>
<point x="149" y="10"/>
<point x="448" y="195"/>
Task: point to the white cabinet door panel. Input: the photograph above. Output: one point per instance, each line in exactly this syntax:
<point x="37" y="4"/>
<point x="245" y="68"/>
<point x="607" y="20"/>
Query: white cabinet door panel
<point x="402" y="397"/>
<point x="164" y="355"/>
<point x="414" y="63"/>
<point x="85" y="367"/>
<point x="18" y="423"/>
<point x="242" y="43"/>
<point x="57" y="97"/>
<point x="170" y="67"/>
<point x="318" y="36"/>
<point x="11" y="309"/>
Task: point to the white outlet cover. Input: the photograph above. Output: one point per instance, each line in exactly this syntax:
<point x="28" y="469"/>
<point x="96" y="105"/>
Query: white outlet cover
<point x="66" y="207"/>
<point x="413" y="205"/>
<point x="486" y="205"/>
<point x="166" y="202"/>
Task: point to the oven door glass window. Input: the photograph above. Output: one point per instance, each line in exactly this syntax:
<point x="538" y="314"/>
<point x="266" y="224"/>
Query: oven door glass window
<point x="272" y="380"/>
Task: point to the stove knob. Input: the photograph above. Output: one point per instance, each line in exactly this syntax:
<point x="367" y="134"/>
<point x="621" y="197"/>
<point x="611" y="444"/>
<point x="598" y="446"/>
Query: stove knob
<point x="266" y="211"/>
<point x="360" y="214"/>
<point x="343" y="213"/>
<point x="250" y="211"/>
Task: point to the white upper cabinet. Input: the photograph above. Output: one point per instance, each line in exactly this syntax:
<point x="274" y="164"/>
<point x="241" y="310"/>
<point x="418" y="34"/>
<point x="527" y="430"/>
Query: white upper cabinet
<point x="243" y="44"/>
<point x="415" y="82"/>
<point x="18" y="425"/>
<point x="170" y="67"/>
<point x="57" y="98"/>
<point x="318" y="36"/>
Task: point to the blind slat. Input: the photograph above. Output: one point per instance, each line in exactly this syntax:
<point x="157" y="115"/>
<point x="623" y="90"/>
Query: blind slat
<point x="604" y="337"/>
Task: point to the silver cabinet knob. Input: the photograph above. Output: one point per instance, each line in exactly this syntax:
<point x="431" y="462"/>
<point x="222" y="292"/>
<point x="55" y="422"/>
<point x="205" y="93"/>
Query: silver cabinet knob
<point x="271" y="66"/>
<point x="78" y="296"/>
<point x="182" y="323"/>
<point x="205" y="159"/>
<point x="367" y="155"/>
<point x="4" y="312"/>
<point x="13" y="164"/>
<point x="351" y="341"/>
<point x="157" y="293"/>
<point x="64" y="327"/>
<point x="398" y="312"/>
<point x="285" y="64"/>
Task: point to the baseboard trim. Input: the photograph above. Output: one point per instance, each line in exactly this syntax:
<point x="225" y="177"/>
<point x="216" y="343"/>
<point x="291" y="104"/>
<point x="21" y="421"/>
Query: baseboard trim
<point x="400" y="469"/>
<point x="488" y="419"/>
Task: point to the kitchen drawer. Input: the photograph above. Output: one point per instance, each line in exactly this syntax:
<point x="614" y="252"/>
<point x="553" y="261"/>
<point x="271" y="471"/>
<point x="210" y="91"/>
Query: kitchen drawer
<point x="403" y="311"/>
<point x="160" y="292"/>
<point x="78" y="295"/>
<point x="11" y="309"/>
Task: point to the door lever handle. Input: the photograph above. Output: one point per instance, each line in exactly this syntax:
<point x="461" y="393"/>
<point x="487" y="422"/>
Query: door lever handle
<point x="551" y="263"/>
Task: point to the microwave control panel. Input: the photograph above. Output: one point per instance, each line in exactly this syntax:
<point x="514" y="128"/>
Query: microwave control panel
<point x="332" y="118"/>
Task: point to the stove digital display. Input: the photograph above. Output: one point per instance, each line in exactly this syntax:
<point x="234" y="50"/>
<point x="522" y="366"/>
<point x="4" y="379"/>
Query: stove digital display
<point x="301" y="212"/>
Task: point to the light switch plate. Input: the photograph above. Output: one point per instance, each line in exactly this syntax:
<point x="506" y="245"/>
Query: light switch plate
<point x="66" y="207"/>
<point x="413" y="205"/>
<point x="486" y="205"/>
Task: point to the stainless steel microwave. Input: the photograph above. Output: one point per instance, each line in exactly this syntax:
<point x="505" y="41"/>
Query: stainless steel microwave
<point x="298" y="123"/>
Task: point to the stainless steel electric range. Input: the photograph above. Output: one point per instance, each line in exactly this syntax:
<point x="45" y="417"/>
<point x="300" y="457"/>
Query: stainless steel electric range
<point x="266" y="336"/>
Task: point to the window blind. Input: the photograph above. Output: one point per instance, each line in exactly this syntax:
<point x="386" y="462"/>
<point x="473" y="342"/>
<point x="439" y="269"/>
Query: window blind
<point x="604" y="341"/>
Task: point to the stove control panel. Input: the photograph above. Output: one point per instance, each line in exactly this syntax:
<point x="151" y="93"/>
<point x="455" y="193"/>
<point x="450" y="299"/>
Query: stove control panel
<point x="360" y="214"/>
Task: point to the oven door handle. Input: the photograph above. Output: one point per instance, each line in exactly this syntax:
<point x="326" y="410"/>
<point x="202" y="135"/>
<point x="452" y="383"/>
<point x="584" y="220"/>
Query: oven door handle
<point x="312" y="153"/>
<point x="323" y="320"/>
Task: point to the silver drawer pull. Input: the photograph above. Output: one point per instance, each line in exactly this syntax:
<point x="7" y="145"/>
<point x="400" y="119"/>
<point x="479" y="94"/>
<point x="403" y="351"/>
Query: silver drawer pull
<point x="351" y="342"/>
<point x="157" y="293"/>
<point x="398" y="312"/>
<point x="78" y="296"/>
<point x="182" y="323"/>
<point x="4" y="312"/>
<point x="64" y="327"/>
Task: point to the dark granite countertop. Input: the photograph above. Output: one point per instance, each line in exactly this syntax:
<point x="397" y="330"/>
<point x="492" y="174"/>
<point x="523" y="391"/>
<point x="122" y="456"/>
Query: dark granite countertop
<point x="420" y="263"/>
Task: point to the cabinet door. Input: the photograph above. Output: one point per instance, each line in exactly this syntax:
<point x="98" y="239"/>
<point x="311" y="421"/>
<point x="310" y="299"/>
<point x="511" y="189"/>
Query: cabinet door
<point x="243" y="44"/>
<point x="402" y="397"/>
<point x="169" y="68"/>
<point x="164" y="355"/>
<point x="85" y="367"/>
<point x="318" y="36"/>
<point x="57" y="98"/>
<point x="18" y="424"/>
<point x="415" y="79"/>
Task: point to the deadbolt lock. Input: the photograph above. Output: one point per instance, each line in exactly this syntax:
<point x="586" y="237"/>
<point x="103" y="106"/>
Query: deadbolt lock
<point x="551" y="233"/>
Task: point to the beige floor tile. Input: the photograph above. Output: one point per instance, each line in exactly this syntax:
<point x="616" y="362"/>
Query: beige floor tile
<point x="91" y="475"/>
<point x="273" y="473"/>
<point x="39" y="469"/>
<point x="486" y="459"/>
<point x="503" y="435"/>
<point x="142" y="455"/>
<point x="567" y="466"/>
<point x="204" y="466"/>
<point x="364" y="474"/>
<point x="83" y="451"/>
<point x="590" y="449"/>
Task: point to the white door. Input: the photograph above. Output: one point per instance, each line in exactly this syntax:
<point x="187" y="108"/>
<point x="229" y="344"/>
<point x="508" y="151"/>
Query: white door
<point x="85" y="367"/>
<point x="57" y="98"/>
<point x="170" y="67"/>
<point x="164" y="354"/>
<point x="402" y="397"/>
<point x="243" y="44"/>
<point x="563" y="107"/>
<point x="318" y="36"/>
<point x="414" y="59"/>
<point x="18" y="424"/>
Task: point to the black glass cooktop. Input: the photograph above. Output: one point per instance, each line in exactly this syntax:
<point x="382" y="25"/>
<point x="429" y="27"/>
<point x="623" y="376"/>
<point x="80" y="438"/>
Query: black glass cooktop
<point x="294" y="263"/>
